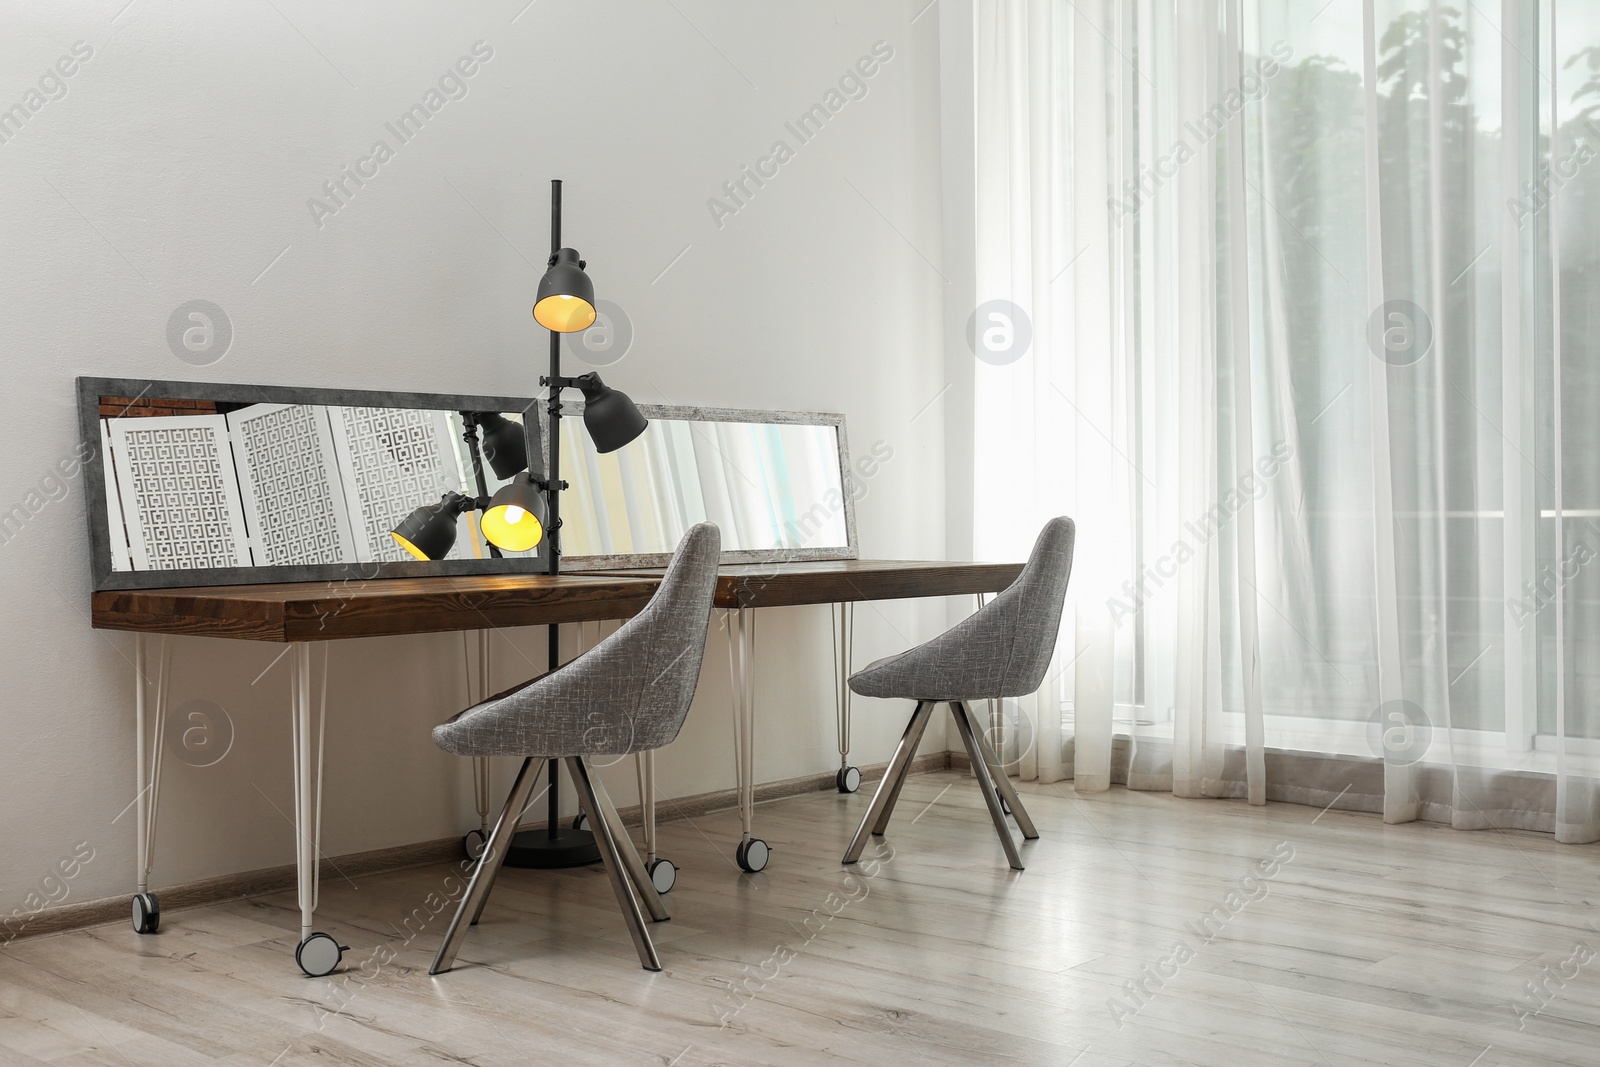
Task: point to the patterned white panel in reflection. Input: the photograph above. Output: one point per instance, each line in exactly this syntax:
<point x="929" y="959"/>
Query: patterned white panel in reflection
<point x="179" y="497"/>
<point x="394" y="460"/>
<point x="115" y="527"/>
<point x="289" y="475"/>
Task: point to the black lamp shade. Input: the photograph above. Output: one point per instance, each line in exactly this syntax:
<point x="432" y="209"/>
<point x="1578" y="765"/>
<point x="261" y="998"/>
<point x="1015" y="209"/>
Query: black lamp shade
<point x="430" y="531"/>
<point x="609" y="415"/>
<point x="505" y="445"/>
<point x="516" y="517"/>
<point x="565" y="301"/>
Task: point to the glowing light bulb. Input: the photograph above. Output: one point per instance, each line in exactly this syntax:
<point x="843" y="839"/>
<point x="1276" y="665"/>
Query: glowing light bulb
<point x="515" y="514"/>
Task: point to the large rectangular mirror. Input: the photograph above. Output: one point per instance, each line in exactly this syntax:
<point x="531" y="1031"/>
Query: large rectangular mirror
<point x="196" y="484"/>
<point x="777" y="483"/>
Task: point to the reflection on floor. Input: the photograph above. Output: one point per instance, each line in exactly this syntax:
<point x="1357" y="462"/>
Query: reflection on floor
<point x="1146" y="930"/>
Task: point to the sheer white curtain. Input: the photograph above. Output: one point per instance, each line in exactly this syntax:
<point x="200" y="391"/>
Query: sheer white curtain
<point x="1297" y="313"/>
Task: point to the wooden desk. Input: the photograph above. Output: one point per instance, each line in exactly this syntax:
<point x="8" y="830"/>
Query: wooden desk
<point x="306" y="616"/>
<point x="310" y="614"/>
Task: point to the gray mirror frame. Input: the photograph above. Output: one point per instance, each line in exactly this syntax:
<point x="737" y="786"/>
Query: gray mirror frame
<point x="572" y="564"/>
<point x="90" y="390"/>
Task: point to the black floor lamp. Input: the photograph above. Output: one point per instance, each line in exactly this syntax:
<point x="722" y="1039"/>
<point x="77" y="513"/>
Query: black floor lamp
<point x="528" y="509"/>
<point x="565" y="304"/>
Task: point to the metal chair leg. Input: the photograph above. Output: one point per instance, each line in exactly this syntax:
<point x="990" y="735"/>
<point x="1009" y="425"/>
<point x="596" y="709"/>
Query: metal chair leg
<point x="494" y="853"/>
<point x="642" y="882"/>
<point x="611" y="859"/>
<point x="914" y="742"/>
<point x="494" y="874"/>
<point x="997" y="772"/>
<point x="980" y="771"/>
<point x="888" y="789"/>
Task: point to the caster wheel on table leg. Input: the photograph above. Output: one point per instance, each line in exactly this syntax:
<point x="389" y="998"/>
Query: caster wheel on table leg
<point x="474" y="844"/>
<point x="753" y="855"/>
<point x="319" y="955"/>
<point x="580" y="822"/>
<point x="1004" y="806"/>
<point x="663" y="875"/>
<point x="848" y="780"/>
<point x="146" y="913"/>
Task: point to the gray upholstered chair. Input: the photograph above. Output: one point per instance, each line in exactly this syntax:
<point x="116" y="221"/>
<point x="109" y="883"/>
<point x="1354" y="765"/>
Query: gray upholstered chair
<point x="629" y="693"/>
<point x="1002" y="650"/>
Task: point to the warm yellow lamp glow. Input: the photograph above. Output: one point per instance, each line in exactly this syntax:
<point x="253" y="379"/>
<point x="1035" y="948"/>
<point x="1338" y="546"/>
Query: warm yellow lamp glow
<point x="564" y="314"/>
<point x="408" y="546"/>
<point x="513" y="528"/>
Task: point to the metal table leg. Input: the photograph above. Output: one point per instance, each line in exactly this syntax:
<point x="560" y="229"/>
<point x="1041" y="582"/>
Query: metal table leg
<point x="752" y="853"/>
<point x="317" y="954"/>
<point x="474" y="842"/>
<point x="848" y="780"/>
<point x="663" y="872"/>
<point x="147" y="775"/>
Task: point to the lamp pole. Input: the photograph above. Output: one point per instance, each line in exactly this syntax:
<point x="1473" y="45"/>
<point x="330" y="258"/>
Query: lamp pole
<point x="554" y="473"/>
<point x="558" y="846"/>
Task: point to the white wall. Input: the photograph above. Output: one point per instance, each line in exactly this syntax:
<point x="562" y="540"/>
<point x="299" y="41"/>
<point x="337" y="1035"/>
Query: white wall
<point x="178" y="165"/>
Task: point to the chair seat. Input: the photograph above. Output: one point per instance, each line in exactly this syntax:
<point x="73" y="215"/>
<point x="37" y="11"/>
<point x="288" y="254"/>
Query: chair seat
<point x="907" y="677"/>
<point x="552" y="719"/>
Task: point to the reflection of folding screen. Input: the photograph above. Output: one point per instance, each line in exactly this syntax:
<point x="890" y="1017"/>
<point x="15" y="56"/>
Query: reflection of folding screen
<point x="289" y="480"/>
<point x="115" y="527"/>
<point x="179" y="498"/>
<point x="392" y="460"/>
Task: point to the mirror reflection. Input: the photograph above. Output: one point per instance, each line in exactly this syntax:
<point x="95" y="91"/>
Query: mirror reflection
<point x="770" y="486"/>
<point x="198" y="484"/>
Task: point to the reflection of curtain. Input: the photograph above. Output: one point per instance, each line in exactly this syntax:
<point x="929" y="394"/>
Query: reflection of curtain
<point x="1296" y="380"/>
<point x="768" y="486"/>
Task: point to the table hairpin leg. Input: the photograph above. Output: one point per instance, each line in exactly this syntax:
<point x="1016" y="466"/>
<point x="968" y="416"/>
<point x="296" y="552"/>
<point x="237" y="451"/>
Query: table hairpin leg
<point x="482" y="797"/>
<point x="318" y="954"/>
<point x="842" y="617"/>
<point x="752" y="853"/>
<point x="663" y="872"/>
<point x="148" y="747"/>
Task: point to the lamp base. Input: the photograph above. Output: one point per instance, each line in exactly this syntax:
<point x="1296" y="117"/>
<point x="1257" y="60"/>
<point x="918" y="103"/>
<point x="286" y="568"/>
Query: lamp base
<point x="537" y="850"/>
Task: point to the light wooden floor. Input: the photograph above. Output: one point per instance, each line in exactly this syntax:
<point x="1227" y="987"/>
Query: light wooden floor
<point x="1371" y="945"/>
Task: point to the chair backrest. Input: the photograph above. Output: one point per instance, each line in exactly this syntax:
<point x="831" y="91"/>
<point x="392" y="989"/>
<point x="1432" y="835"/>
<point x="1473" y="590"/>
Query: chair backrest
<point x="1030" y="608"/>
<point x="672" y="631"/>
<point x="629" y="693"/>
<point x="1001" y="650"/>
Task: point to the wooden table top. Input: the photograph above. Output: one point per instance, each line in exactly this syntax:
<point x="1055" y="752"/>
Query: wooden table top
<point x="771" y="585"/>
<point x="326" y="611"/>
